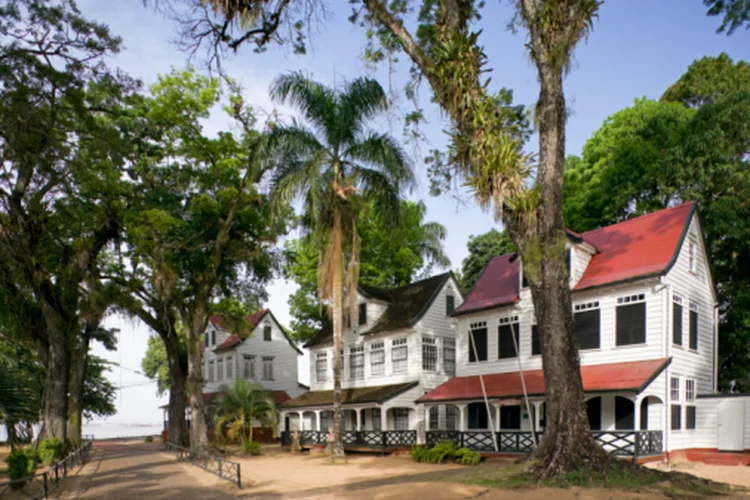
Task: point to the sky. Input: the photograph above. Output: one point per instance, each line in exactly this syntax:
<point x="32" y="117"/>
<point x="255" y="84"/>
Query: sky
<point x="637" y="49"/>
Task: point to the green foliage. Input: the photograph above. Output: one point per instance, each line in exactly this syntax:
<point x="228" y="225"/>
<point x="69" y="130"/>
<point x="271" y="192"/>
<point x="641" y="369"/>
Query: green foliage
<point x="250" y="447"/>
<point x="238" y="408"/>
<point x="155" y="364"/>
<point x="99" y="394"/>
<point x="391" y="256"/>
<point x="148" y="439"/>
<point x="482" y="248"/>
<point x="442" y="451"/>
<point x="691" y="145"/>
<point x="465" y="456"/>
<point x="419" y="453"/>
<point x="51" y="450"/>
<point x="21" y="463"/>
<point x="736" y="13"/>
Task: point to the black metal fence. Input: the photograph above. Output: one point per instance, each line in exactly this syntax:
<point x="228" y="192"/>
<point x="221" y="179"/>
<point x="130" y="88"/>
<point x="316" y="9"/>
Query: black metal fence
<point x="225" y="469"/>
<point x="379" y="440"/>
<point x="42" y="484"/>
<point x="619" y="443"/>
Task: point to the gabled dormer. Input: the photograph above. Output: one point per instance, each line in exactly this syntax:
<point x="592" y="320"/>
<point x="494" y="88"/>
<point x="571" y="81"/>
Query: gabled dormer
<point x="578" y="254"/>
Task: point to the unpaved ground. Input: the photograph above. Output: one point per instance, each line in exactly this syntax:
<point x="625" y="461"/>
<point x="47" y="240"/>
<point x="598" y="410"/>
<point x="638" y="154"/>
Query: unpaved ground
<point x="738" y="475"/>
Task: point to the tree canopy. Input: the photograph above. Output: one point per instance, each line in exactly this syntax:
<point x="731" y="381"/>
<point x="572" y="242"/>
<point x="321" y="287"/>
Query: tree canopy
<point x="482" y="248"/>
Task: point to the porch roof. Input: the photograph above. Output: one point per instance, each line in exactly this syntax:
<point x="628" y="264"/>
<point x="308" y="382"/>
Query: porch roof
<point x="373" y="394"/>
<point x="630" y="376"/>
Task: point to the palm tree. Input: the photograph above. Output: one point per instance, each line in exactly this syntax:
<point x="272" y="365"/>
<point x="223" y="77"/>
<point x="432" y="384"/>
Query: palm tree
<point x="334" y="164"/>
<point x="238" y="408"/>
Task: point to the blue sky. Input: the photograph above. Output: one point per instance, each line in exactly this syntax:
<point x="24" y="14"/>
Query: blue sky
<point x="637" y="48"/>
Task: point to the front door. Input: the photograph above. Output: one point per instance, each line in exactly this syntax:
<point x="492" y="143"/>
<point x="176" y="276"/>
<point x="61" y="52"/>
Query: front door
<point x="731" y="425"/>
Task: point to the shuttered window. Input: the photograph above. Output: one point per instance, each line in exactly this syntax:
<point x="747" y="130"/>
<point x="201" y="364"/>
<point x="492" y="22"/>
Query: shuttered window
<point x="363" y="313"/>
<point x="536" y="341"/>
<point x="478" y="344"/>
<point x="587" y="328"/>
<point x="321" y="367"/>
<point x="631" y="320"/>
<point x="693" y="326"/>
<point x="506" y="346"/>
<point x="450" y="304"/>
<point x="377" y="359"/>
<point x="677" y="320"/>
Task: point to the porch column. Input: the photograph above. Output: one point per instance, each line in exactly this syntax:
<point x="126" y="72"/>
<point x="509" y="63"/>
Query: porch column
<point x="383" y="419"/>
<point x="358" y="412"/>
<point x="282" y="421"/>
<point x="497" y="417"/>
<point x="461" y="417"/>
<point x="637" y="412"/>
<point x="317" y="420"/>
<point x="300" y="421"/>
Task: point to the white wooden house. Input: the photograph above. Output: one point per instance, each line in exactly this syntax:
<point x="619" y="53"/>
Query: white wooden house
<point x="645" y="312"/>
<point x="398" y="346"/>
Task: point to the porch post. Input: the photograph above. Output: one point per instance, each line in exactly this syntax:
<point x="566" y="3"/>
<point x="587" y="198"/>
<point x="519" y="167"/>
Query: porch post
<point x="637" y="410"/>
<point x="461" y="417"/>
<point x="359" y="418"/>
<point x="383" y="419"/>
<point x="317" y="420"/>
<point x="497" y="417"/>
<point x="537" y="406"/>
<point x="300" y="421"/>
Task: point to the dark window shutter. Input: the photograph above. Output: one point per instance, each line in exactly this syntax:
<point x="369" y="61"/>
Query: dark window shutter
<point x="624" y="414"/>
<point x="676" y="323"/>
<point x="478" y="340"/>
<point x="450" y="304"/>
<point x="536" y="341"/>
<point x="644" y="414"/>
<point x="213" y="337"/>
<point x="363" y="314"/>
<point x="694" y="329"/>
<point x="631" y="324"/>
<point x="510" y="417"/>
<point x="478" y="418"/>
<point x="690" y="417"/>
<point x="587" y="326"/>
<point x="206" y="340"/>
<point x="594" y="412"/>
<point x="505" y="345"/>
<point x="267" y="333"/>
<point x="676" y="417"/>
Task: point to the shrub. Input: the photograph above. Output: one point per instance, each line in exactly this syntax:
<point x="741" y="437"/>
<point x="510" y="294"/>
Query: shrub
<point x="21" y="464"/>
<point x="51" y="450"/>
<point x="251" y="447"/>
<point x="148" y="439"/>
<point x="465" y="456"/>
<point x="441" y="451"/>
<point x="419" y="453"/>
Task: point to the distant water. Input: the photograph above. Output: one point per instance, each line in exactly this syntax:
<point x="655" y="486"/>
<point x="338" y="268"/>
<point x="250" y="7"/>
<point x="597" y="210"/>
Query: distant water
<point x="106" y="430"/>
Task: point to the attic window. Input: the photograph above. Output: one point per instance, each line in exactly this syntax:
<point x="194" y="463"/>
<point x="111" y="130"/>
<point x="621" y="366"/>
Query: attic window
<point x="213" y="337"/>
<point x="363" y="313"/>
<point x="450" y="304"/>
<point x="692" y="265"/>
<point x="267" y="333"/>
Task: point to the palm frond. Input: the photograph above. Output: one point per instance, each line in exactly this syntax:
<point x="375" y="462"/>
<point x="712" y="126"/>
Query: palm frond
<point x="316" y="101"/>
<point x="361" y="100"/>
<point x="380" y="190"/>
<point x="383" y="152"/>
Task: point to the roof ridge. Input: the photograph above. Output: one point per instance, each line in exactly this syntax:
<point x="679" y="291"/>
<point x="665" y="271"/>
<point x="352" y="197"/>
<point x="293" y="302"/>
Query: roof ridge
<point x="626" y="221"/>
<point x="413" y="283"/>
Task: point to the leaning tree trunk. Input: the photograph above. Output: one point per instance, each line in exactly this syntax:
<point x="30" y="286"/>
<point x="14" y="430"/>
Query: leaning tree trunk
<point x="178" y="432"/>
<point x="79" y="361"/>
<point x="337" y="448"/>
<point x="10" y="426"/>
<point x="198" y="426"/>
<point x="567" y="444"/>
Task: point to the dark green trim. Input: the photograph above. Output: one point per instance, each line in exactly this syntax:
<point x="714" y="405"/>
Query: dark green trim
<point x="654" y="375"/>
<point x="428" y="304"/>
<point x="682" y="238"/>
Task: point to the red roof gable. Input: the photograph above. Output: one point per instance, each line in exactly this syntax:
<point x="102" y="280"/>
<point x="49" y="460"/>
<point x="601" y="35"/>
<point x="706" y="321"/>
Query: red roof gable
<point x="235" y="339"/>
<point x="638" y="247"/>
<point x="630" y="376"/>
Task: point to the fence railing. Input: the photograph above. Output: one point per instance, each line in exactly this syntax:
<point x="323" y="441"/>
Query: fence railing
<point x="218" y="466"/>
<point x="619" y="443"/>
<point x="364" y="439"/>
<point x="42" y="484"/>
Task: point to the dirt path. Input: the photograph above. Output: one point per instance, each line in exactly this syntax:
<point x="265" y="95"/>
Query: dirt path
<point x="127" y="469"/>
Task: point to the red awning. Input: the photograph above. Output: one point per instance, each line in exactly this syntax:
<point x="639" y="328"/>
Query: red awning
<point x="632" y="376"/>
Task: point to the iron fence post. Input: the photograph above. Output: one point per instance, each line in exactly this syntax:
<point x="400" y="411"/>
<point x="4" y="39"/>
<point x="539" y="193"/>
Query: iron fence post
<point x="219" y="467"/>
<point x="44" y="484"/>
<point x="239" y="481"/>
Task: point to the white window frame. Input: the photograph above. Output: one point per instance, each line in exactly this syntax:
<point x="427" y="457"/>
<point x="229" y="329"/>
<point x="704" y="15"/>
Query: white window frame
<point x="674" y="389"/>
<point x="692" y="256"/>
<point x="357" y="363"/>
<point x="449" y="346"/>
<point x="268" y="367"/>
<point x="230" y="367"/>
<point x="400" y="365"/>
<point x="377" y="353"/>
<point x="689" y="390"/>
<point x="211" y="373"/>
<point x="429" y="344"/>
<point x="321" y="374"/>
<point x="248" y="368"/>
<point x="219" y="369"/>
<point x="434" y="418"/>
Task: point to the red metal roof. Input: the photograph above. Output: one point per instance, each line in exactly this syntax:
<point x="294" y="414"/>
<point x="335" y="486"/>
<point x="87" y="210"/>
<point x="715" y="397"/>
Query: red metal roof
<point x="630" y="376"/>
<point x="235" y="339"/>
<point x="637" y="247"/>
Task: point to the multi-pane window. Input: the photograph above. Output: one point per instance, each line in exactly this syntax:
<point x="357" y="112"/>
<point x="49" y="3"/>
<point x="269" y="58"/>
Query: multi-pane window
<point x="211" y="371"/>
<point x="449" y="356"/>
<point x="676" y="417"/>
<point x="377" y="422"/>
<point x="631" y="319"/>
<point x="399" y="355"/>
<point x="536" y="341"/>
<point x="692" y="261"/>
<point x="507" y="337"/>
<point x="267" y="333"/>
<point x="674" y="388"/>
<point x="267" y="368"/>
<point x="434" y="418"/>
<point x="321" y="367"/>
<point x="401" y="419"/>
<point x="363" y="313"/>
<point x="357" y="363"/>
<point x="450" y="304"/>
<point x="690" y="401"/>
<point x="587" y="321"/>
<point x="429" y="354"/>
<point x="220" y="369"/>
<point x="249" y="366"/>
<point x="213" y="337"/>
<point x="377" y="359"/>
<point x="693" y="326"/>
<point x="451" y="418"/>
<point x="230" y="367"/>
<point x="478" y="342"/>
<point x="676" y="320"/>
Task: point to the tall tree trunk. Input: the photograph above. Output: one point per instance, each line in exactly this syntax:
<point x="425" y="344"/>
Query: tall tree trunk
<point x="567" y="443"/>
<point x="178" y="433"/>
<point x="337" y="449"/>
<point x="194" y="323"/>
<point x="79" y="362"/>
<point x="56" y="384"/>
<point x="10" y="426"/>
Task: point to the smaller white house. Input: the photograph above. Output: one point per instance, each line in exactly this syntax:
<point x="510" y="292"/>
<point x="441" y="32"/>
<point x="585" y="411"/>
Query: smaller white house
<point x="396" y="347"/>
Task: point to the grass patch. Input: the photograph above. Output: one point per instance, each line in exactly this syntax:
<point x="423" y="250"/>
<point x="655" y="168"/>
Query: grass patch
<point x="624" y="477"/>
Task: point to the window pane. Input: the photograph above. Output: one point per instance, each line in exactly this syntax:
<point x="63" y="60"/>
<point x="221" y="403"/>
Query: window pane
<point x="451" y="418"/>
<point x="478" y="345"/>
<point x="587" y="328"/>
<point x="429" y="354"/>
<point x="676" y="417"/>
<point x="631" y="324"/>
<point x="694" y="329"/>
<point x="690" y="417"/>
<point x="450" y="304"/>
<point x="449" y="356"/>
<point x="536" y="341"/>
<point x="677" y="324"/>
<point x="505" y="346"/>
